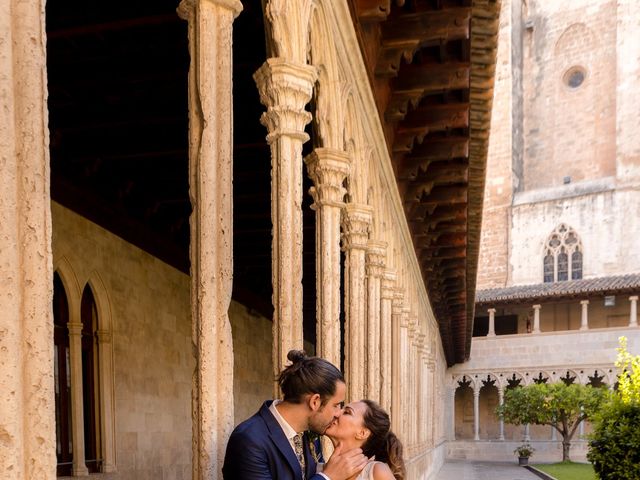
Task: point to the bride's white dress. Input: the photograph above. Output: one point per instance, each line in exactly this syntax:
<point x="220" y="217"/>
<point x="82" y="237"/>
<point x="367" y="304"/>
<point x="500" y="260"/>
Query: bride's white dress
<point x="367" y="471"/>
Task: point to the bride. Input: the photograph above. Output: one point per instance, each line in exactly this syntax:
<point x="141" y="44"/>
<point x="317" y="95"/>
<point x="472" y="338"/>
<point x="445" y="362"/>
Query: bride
<point x="366" y="425"/>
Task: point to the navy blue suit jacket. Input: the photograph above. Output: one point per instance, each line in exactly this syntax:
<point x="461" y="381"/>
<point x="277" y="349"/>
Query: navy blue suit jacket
<point x="259" y="450"/>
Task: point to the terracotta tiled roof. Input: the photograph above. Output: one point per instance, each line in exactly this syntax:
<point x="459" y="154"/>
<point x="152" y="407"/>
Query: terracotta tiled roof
<point x="602" y="285"/>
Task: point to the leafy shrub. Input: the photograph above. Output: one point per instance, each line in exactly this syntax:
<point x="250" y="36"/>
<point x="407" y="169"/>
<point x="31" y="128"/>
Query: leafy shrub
<point x="614" y="448"/>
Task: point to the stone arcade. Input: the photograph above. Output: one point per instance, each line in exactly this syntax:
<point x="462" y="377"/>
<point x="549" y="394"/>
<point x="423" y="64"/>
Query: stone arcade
<point x="150" y="230"/>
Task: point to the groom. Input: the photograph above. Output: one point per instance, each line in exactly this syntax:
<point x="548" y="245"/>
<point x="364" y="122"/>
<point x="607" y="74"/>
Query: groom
<point x="273" y="444"/>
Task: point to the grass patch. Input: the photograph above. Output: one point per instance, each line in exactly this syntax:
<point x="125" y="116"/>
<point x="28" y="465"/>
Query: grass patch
<point x="569" y="470"/>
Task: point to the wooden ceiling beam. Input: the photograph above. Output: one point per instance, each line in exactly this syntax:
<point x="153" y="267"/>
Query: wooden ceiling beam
<point x="417" y="81"/>
<point x="443" y="195"/>
<point x="404" y="34"/>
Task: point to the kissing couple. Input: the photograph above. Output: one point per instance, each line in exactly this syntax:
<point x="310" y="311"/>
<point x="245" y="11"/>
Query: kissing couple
<point x="281" y="441"/>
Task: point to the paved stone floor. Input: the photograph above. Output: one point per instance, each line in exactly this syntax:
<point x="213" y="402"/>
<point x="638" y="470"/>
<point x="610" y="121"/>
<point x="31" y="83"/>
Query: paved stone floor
<point x="469" y="470"/>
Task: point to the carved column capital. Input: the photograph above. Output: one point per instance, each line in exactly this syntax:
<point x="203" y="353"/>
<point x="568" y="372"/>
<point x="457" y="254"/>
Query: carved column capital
<point x="328" y="169"/>
<point x="356" y="221"/>
<point x="104" y="336"/>
<point x="388" y="284"/>
<point x="186" y="8"/>
<point x="376" y="253"/>
<point x="74" y="328"/>
<point x="285" y="89"/>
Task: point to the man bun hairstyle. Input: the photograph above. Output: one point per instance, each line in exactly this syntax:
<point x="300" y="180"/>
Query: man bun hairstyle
<point x="308" y="375"/>
<point x="382" y="442"/>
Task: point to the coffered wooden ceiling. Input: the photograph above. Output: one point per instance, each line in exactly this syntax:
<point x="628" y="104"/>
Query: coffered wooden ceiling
<point x="431" y="64"/>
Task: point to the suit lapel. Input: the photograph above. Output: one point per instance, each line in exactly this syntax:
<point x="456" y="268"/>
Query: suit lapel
<point x="280" y="440"/>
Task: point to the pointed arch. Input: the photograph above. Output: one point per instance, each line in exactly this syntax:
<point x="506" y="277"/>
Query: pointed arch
<point x="71" y="286"/>
<point x="329" y="109"/>
<point x="105" y="366"/>
<point x="562" y="255"/>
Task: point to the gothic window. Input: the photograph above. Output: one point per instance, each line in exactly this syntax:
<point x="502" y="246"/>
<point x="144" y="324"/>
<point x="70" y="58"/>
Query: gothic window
<point x="62" y="378"/>
<point x="90" y="391"/>
<point x="562" y="258"/>
<point x="576" y="265"/>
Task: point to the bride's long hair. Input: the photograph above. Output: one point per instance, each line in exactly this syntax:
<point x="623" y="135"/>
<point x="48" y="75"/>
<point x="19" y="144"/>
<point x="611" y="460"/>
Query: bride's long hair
<point x="382" y="442"/>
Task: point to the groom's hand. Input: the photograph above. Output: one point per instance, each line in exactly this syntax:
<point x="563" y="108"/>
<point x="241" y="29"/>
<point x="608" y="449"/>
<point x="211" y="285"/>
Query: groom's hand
<point x="344" y="464"/>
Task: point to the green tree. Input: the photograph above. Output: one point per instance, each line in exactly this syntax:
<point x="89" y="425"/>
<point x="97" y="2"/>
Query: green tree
<point x="614" y="448"/>
<point x="559" y="405"/>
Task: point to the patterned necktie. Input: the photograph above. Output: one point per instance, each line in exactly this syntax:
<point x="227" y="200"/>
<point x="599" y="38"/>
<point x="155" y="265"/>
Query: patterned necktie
<point x="297" y="443"/>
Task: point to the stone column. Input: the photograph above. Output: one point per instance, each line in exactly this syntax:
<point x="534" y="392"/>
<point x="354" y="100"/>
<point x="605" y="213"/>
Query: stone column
<point x="633" y="311"/>
<point x="356" y="222"/>
<point x="452" y="423"/>
<point x="554" y="434"/>
<point x="78" y="468"/>
<point x="211" y="252"/>
<point x="328" y="170"/>
<point x="27" y="407"/>
<point x="285" y="89"/>
<point x="527" y="437"/>
<point x="105" y="348"/>
<point x="536" y="318"/>
<point x="476" y="412"/>
<point x="492" y="322"/>
<point x="501" y="402"/>
<point x="396" y="355"/>
<point x="405" y="358"/>
<point x="387" y="293"/>
<point x="375" y="268"/>
<point x="584" y="318"/>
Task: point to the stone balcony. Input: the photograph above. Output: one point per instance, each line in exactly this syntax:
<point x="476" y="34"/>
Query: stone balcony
<point x="581" y="350"/>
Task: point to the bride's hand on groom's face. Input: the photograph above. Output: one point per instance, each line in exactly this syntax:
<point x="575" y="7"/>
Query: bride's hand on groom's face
<point x="344" y="464"/>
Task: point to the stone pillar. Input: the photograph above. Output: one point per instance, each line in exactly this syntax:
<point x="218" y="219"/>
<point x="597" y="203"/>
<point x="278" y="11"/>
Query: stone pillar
<point x="387" y="293"/>
<point x="328" y="170"/>
<point x="285" y="89"/>
<point x="527" y="437"/>
<point x="554" y="434"/>
<point x="584" y="318"/>
<point x="396" y="355"/>
<point x="375" y="268"/>
<point x="452" y="423"/>
<point x="536" y="318"/>
<point x="492" y="322"/>
<point x="356" y="222"/>
<point x="211" y="252"/>
<point x="105" y="347"/>
<point x="476" y="412"/>
<point x="27" y="407"/>
<point x="633" y="311"/>
<point x="78" y="468"/>
<point x="501" y="402"/>
<point x="405" y="358"/>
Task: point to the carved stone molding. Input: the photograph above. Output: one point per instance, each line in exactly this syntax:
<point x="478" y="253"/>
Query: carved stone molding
<point x="285" y="89"/>
<point x="356" y="221"/>
<point x="328" y="169"/>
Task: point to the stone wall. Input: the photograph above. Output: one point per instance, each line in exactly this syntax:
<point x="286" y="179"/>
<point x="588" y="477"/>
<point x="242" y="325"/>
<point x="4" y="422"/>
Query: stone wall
<point x="494" y="255"/>
<point x="152" y="350"/>
<point x="569" y="132"/>
<point x="546" y="133"/>
<point x="253" y="365"/>
<point x="603" y="218"/>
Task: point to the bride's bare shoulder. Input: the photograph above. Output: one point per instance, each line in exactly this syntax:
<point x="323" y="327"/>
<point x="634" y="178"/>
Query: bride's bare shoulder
<point x="381" y="471"/>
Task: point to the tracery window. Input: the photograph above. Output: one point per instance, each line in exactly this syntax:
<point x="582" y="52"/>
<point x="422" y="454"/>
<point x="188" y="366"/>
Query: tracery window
<point x="85" y="339"/>
<point x="562" y="258"/>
